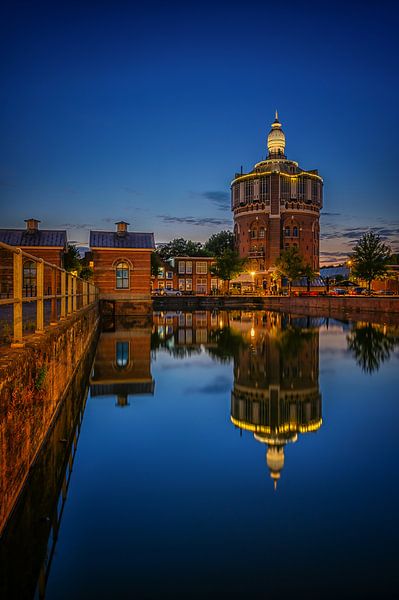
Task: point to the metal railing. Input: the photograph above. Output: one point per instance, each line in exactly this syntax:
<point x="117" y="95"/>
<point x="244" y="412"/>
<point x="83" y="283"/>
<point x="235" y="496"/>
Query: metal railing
<point x="64" y="292"/>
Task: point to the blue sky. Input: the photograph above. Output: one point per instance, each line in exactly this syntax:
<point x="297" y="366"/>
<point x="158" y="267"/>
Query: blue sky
<point x="144" y="113"/>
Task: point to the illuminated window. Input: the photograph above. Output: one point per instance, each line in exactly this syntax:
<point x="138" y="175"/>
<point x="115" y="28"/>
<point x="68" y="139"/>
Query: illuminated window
<point x="182" y="266"/>
<point x="169" y="285"/>
<point x="264" y="189"/>
<point x="262" y="232"/>
<point x="161" y="273"/>
<point x="122" y="354"/>
<point x="249" y="190"/>
<point x="29" y="275"/>
<point x="189" y="267"/>
<point x="181" y="285"/>
<point x="201" y="285"/>
<point x="285" y="188"/>
<point x="189" y="285"/>
<point x="122" y="276"/>
<point x="236" y="195"/>
<point x="201" y="268"/>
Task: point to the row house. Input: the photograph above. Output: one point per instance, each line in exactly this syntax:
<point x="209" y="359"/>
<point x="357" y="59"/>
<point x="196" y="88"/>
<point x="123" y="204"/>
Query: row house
<point x="188" y="274"/>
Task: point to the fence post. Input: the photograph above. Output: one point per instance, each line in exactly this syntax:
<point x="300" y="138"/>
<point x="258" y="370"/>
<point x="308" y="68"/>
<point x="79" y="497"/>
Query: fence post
<point x="74" y="281"/>
<point x="63" y="295"/>
<point x="84" y="293"/>
<point x="53" y="318"/>
<point x="69" y="308"/>
<point x="39" y="297"/>
<point x="17" y="306"/>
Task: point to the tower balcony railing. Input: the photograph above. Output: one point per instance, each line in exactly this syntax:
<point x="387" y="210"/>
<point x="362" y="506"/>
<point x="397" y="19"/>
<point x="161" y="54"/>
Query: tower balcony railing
<point x="35" y="293"/>
<point x="256" y="253"/>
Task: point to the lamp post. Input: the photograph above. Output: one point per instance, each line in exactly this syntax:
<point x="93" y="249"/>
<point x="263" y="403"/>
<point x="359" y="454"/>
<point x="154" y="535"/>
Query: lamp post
<point x="253" y="280"/>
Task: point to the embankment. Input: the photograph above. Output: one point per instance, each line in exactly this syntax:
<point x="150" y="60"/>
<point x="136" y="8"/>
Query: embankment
<point x="34" y="381"/>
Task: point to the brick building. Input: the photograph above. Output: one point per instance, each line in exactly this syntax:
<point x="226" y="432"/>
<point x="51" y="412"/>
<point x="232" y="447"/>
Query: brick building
<point x="275" y="206"/>
<point x="121" y="261"/>
<point x="47" y="244"/>
<point x="189" y="274"/>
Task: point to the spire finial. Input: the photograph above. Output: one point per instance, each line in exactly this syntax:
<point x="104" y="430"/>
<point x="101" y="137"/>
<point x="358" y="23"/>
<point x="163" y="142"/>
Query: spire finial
<point x="276" y="114"/>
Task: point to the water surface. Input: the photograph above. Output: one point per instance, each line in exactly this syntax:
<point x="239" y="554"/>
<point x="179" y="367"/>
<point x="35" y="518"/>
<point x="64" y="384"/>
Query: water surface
<point x="234" y="453"/>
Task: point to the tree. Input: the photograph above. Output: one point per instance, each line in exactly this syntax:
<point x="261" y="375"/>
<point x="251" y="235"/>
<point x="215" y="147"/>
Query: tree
<point x="290" y="265"/>
<point x="181" y="247"/>
<point x="227" y="266"/>
<point x="219" y="242"/>
<point x="370" y="258"/>
<point x="155" y="264"/>
<point x="72" y="259"/>
<point x="371" y="346"/>
<point x="310" y="275"/>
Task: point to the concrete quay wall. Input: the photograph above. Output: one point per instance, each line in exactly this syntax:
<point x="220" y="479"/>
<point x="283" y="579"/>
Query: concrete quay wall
<point x="34" y="381"/>
<point x="357" y="308"/>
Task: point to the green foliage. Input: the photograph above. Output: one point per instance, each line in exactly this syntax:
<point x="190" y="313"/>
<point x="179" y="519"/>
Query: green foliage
<point x="40" y="378"/>
<point x="290" y="264"/>
<point x="370" y="258"/>
<point x="86" y="273"/>
<point x="371" y="346"/>
<point x="155" y="264"/>
<point x="219" y="242"/>
<point x="72" y="259"/>
<point x="181" y="247"/>
<point x="228" y="266"/>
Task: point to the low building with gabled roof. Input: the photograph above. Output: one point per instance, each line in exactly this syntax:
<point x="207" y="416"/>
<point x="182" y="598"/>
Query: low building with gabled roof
<point x="121" y="261"/>
<point x="47" y="244"/>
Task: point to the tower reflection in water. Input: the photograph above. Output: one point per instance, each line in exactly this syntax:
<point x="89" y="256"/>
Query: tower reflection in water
<point x="122" y="365"/>
<point x="276" y="382"/>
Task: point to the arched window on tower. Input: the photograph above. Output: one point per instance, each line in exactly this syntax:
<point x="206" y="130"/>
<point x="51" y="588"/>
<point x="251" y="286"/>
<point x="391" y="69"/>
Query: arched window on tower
<point x="295" y="232"/>
<point x="122" y="275"/>
<point x="287" y="231"/>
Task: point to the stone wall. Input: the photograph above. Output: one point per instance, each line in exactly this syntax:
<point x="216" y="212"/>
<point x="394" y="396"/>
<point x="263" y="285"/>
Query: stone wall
<point x="33" y="382"/>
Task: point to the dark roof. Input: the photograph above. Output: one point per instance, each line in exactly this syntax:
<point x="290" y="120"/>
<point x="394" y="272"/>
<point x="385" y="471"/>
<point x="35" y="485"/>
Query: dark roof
<point x="130" y="239"/>
<point x="40" y="237"/>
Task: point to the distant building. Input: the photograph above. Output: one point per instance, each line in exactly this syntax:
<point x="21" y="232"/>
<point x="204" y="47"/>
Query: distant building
<point x="121" y="261"/>
<point x="47" y="244"/>
<point x="194" y="275"/>
<point x="275" y="206"/>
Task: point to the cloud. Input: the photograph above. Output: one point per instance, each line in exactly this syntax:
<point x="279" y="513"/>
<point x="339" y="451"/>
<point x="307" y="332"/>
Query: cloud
<point x="220" y="198"/>
<point x="219" y="385"/>
<point x="197" y="221"/>
<point x="355" y="233"/>
<point x="333" y="253"/>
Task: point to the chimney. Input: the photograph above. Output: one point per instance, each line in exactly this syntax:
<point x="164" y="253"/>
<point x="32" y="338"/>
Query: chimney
<point x="32" y="225"/>
<point x="121" y="228"/>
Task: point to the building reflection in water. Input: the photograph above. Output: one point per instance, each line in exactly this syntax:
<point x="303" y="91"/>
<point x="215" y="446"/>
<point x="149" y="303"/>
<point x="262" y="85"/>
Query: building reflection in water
<point x="276" y="369"/>
<point x="276" y="382"/>
<point x="122" y="366"/>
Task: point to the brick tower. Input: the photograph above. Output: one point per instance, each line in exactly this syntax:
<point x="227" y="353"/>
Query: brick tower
<point x="276" y="205"/>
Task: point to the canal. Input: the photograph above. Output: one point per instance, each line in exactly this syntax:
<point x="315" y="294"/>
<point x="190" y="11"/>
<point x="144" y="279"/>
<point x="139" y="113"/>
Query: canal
<point x="211" y="453"/>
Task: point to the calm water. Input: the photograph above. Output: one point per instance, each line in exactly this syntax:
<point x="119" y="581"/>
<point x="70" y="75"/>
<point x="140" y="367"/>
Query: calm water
<point x="241" y="454"/>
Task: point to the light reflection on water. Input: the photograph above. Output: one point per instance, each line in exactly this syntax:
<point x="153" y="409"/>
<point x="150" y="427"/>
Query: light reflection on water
<point x="234" y="452"/>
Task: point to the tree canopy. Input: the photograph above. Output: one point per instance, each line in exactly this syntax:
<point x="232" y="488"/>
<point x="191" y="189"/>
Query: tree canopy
<point x="227" y="266"/>
<point x="291" y="265"/>
<point x="219" y="242"/>
<point x="181" y="247"/>
<point x="370" y="258"/>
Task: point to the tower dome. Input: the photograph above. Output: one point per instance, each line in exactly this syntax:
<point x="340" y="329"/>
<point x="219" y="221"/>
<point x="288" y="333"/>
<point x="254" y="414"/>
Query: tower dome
<point x="276" y="140"/>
